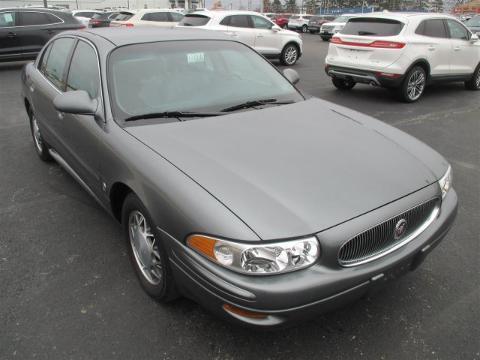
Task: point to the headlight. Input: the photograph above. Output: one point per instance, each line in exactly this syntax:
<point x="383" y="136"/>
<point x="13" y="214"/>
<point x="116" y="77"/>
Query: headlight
<point x="446" y="181"/>
<point x="338" y="28"/>
<point x="258" y="259"/>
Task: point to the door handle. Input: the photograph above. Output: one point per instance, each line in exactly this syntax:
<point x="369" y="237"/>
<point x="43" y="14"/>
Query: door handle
<point x="11" y="34"/>
<point x="49" y="31"/>
<point x="260" y="36"/>
<point x="60" y="115"/>
<point x="456" y="48"/>
<point x="231" y="33"/>
<point x="431" y="48"/>
<point x="31" y="88"/>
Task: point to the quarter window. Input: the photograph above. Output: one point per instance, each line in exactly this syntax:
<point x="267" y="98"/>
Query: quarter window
<point x="37" y="18"/>
<point x="176" y="16"/>
<point x="57" y="61"/>
<point x="7" y="19"/>
<point x="261" y="23"/>
<point x="457" y="31"/>
<point x="83" y="73"/>
<point x="432" y="28"/>
<point x="43" y="63"/>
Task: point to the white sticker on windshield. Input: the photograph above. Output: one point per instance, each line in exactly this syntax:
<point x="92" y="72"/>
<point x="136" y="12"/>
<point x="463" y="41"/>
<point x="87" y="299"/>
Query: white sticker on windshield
<point x="198" y="57"/>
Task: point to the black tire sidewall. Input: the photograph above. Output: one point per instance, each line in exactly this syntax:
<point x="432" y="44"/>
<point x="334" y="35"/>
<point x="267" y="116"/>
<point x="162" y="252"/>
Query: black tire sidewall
<point x="165" y="290"/>
<point x="43" y="154"/>
<point x="342" y="84"/>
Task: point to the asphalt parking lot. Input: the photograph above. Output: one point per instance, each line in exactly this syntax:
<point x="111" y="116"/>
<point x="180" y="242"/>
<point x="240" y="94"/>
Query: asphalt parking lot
<point x="67" y="289"/>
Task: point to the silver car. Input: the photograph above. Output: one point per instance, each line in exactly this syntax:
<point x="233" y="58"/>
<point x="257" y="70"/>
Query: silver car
<point x="232" y="188"/>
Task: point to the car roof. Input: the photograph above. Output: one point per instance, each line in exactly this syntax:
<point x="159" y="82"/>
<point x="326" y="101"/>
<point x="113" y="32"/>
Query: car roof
<point x="30" y="9"/>
<point x="223" y="13"/>
<point x="403" y="16"/>
<point x="139" y="35"/>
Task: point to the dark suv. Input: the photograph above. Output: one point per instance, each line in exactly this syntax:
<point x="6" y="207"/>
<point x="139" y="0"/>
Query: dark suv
<point x="24" y="31"/>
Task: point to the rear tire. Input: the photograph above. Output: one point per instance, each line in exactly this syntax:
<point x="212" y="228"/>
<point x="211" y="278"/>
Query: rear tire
<point x="413" y="85"/>
<point x="41" y="146"/>
<point x="324" y="38"/>
<point x="474" y="82"/>
<point x="146" y="250"/>
<point x="304" y="28"/>
<point x="289" y="55"/>
<point x="343" y="84"/>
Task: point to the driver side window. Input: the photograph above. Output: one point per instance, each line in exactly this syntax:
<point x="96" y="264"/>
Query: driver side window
<point x="84" y="73"/>
<point x="457" y="31"/>
<point x="261" y="23"/>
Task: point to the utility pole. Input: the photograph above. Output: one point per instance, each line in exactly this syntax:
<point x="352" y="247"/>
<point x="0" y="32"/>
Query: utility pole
<point x="45" y="3"/>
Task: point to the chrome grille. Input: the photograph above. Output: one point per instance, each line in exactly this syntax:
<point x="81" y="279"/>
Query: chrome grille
<point x="381" y="240"/>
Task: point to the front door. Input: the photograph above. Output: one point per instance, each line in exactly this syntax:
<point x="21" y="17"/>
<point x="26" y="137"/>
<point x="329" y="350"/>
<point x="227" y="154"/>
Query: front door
<point x="267" y="41"/>
<point x="464" y="57"/>
<point x="9" y="40"/>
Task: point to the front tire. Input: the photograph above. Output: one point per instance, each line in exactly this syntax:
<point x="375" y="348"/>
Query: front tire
<point x="146" y="250"/>
<point x="413" y="85"/>
<point x="474" y="82"/>
<point x="324" y="38"/>
<point x="289" y="55"/>
<point x="343" y="84"/>
<point x="304" y="28"/>
<point x="41" y="146"/>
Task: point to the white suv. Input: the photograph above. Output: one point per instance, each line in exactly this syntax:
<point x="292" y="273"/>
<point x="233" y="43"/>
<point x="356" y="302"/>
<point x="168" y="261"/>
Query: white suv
<point x="403" y="51"/>
<point x="299" y="22"/>
<point x="253" y="29"/>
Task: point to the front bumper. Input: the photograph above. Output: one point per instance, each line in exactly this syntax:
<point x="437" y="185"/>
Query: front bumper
<point x="291" y="297"/>
<point x="363" y="76"/>
<point x="326" y="34"/>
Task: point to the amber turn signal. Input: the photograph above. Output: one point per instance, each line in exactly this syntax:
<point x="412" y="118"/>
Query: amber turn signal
<point x="244" y="313"/>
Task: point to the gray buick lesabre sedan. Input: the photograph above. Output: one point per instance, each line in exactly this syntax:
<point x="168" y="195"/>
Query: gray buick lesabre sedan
<point x="232" y="188"/>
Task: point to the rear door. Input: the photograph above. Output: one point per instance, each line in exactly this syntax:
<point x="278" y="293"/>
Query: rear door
<point x="240" y="28"/>
<point x="47" y="83"/>
<point x="267" y="41"/>
<point x="464" y="57"/>
<point x="369" y="43"/>
<point x="9" y="40"/>
<point x="434" y="44"/>
<point x="36" y="28"/>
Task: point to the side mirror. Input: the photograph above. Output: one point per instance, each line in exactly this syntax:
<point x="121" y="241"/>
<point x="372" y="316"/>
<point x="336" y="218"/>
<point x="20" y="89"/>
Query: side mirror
<point x="474" y="38"/>
<point x="75" y="102"/>
<point x="291" y="76"/>
<point x="276" y="28"/>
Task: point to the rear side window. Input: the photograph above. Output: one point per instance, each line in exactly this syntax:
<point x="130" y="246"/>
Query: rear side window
<point x="122" y="17"/>
<point x="194" y="20"/>
<point x="37" y="18"/>
<point x="43" y="63"/>
<point x="57" y="61"/>
<point x="433" y="28"/>
<point x="7" y="19"/>
<point x="372" y="27"/>
<point x="156" y="16"/>
<point x="457" y="30"/>
<point x="86" y="14"/>
<point x="240" y="21"/>
<point x="83" y="73"/>
<point x="176" y="16"/>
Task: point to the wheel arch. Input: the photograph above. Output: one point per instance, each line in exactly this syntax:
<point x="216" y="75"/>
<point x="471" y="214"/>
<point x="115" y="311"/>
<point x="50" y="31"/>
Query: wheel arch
<point x="118" y="193"/>
<point x="423" y="63"/>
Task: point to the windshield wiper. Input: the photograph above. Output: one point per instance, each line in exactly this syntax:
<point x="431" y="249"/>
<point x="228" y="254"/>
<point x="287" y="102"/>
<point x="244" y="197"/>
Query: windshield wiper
<point x="171" y="114"/>
<point x="253" y="103"/>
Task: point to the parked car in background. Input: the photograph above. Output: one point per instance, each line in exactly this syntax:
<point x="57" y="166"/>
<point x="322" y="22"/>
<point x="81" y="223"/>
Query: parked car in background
<point x="102" y="19"/>
<point x="252" y="29"/>
<point x="474" y="24"/>
<point x="150" y="17"/>
<point x="405" y="52"/>
<point x="228" y="183"/>
<point x="328" y="29"/>
<point x="24" y="31"/>
<point x="84" y="16"/>
<point x="317" y="21"/>
<point x="299" y="22"/>
<point x="282" y="20"/>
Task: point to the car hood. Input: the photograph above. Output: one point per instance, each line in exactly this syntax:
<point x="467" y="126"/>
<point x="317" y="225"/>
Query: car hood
<point x="290" y="170"/>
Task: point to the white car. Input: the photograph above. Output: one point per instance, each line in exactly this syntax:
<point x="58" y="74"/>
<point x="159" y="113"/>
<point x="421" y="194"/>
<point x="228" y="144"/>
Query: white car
<point x="327" y="30"/>
<point x="404" y="51"/>
<point x="150" y="17"/>
<point x="299" y="22"/>
<point x="253" y="29"/>
<point x="84" y="16"/>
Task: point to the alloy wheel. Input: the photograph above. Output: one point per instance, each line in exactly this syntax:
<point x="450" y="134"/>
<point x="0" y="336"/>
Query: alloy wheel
<point x="37" y="136"/>
<point x="416" y="85"/>
<point x="291" y="54"/>
<point x="144" y="247"/>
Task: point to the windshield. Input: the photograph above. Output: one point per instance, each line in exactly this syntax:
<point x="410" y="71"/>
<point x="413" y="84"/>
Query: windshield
<point x="341" y="19"/>
<point x="475" y="21"/>
<point x="191" y="76"/>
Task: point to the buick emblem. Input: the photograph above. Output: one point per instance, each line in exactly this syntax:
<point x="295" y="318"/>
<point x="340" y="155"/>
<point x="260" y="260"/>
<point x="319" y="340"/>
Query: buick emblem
<point x="400" y="229"/>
